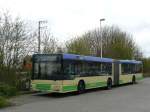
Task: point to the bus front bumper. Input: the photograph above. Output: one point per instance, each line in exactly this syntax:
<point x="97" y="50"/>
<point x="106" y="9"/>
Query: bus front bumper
<point x="47" y="88"/>
<point x="54" y="87"/>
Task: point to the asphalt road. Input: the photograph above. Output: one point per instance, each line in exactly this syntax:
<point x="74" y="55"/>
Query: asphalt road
<point x="127" y="98"/>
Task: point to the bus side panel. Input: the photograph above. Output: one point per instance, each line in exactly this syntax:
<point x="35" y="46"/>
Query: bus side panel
<point x="126" y="78"/>
<point x="127" y="75"/>
<point x="90" y="82"/>
<point x="139" y="76"/>
<point x="94" y="81"/>
<point x="69" y="85"/>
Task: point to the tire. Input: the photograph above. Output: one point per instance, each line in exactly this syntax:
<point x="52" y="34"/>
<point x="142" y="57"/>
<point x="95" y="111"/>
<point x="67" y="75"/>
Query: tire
<point x="133" y="80"/>
<point x="109" y="83"/>
<point x="81" y="87"/>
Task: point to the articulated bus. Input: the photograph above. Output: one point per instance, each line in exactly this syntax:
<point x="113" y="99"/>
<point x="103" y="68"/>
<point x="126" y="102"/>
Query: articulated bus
<point x="62" y="73"/>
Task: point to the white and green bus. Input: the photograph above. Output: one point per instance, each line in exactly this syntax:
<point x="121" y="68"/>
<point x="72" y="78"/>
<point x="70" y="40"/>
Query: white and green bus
<point x="61" y="73"/>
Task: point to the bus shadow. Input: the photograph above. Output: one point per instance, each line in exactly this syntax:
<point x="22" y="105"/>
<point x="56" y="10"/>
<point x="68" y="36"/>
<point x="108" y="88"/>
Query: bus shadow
<point x="126" y="84"/>
<point x="55" y="95"/>
<point x="69" y="94"/>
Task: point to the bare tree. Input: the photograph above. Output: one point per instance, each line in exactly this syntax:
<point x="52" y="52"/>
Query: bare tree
<point x="49" y="43"/>
<point x="116" y="44"/>
<point x="14" y="41"/>
<point x="14" y="45"/>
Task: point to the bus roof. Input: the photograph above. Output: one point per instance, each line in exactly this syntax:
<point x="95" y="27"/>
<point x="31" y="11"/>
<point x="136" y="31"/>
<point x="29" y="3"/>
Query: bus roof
<point x="90" y="58"/>
<point x="130" y="61"/>
<point x="86" y="58"/>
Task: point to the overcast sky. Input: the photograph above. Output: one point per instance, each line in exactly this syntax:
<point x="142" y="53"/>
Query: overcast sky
<point x="67" y="18"/>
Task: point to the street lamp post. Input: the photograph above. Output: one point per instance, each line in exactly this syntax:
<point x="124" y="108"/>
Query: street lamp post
<point x="39" y="34"/>
<point x="103" y="19"/>
<point x="39" y="44"/>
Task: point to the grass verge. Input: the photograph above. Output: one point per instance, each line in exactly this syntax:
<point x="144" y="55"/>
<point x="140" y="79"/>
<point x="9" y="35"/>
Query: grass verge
<point x="3" y="102"/>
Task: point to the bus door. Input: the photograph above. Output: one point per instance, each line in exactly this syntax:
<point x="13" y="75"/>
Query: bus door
<point x="116" y="72"/>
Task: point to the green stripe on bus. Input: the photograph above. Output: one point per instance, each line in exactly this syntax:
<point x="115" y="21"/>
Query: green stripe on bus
<point x="43" y="86"/>
<point x="70" y="88"/>
<point x="97" y="84"/>
<point x="139" y="78"/>
<point x="121" y="82"/>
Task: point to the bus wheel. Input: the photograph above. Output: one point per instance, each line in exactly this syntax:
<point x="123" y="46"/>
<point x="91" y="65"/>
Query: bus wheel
<point x="133" y="80"/>
<point x="81" y="87"/>
<point x="109" y="83"/>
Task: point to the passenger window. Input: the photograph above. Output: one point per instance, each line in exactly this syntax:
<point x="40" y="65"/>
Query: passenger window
<point x="69" y="69"/>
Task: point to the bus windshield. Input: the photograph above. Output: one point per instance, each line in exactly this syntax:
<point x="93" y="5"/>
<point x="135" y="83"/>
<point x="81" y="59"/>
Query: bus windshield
<point x="46" y="67"/>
